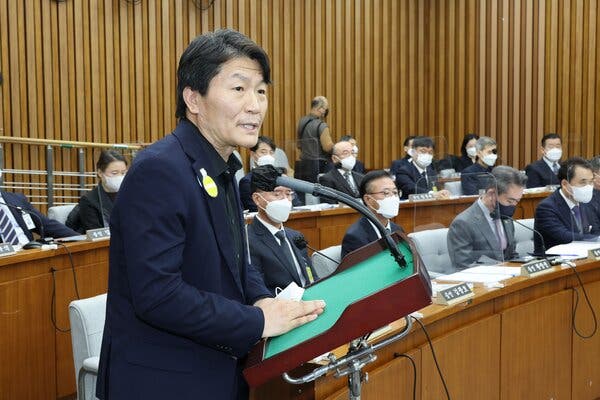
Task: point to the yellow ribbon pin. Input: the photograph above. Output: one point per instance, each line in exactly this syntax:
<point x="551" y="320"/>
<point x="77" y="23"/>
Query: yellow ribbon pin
<point x="209" y="184"/>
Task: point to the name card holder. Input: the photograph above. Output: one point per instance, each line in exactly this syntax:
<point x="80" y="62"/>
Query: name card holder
<point x="98" y="234"/>
<point x="594" y="254"/>
<point x="454" y="294"/>
<point x="421" y="197"/>
<point x="6" y="249"/>
<point x="535" y="268"/>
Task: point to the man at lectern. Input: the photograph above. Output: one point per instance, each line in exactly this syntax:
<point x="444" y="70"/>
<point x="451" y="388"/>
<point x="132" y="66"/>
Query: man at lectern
<point x="184" y="306"/>
<point x="273" y="249"/>
<point x="379" y="193"/>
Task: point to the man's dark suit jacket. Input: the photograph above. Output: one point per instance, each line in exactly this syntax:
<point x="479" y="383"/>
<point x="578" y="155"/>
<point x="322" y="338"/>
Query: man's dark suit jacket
<point x="410" y="180"/>
<point x="360" y="234"/>
<point x="335" y="180"/>
<point x="179" y="314"/>
<point x="267" y="257"/>
<point x="51" y="228"/>
<point x="540" y="174"/>
<point x="359" y="167"/>
<point x="474" y="178"/>
<point x="556" y="223"/>
<point x="397" y="164"/>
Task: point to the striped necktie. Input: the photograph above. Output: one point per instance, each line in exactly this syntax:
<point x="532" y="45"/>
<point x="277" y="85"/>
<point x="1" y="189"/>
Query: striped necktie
<point x="9" y="234"/>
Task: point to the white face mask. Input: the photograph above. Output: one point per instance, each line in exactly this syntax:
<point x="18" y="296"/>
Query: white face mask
<point x="265" y="160"/>
<point x="355" y="150"/>
<point x="348" y="162"/>
<point x="582" y="194"/>
<point x="471" y="151"/>
<point x="113" y="183"/>
<point x="424" y="160"/>
<point x="554" y="154"/>
<point x="490" y="159"/>
<point x="279" y="210"/>
<point x="388" y="207"/>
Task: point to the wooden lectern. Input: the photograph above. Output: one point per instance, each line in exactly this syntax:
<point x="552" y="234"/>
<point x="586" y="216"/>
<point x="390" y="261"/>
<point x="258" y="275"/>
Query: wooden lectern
<point x="367" y="291"/>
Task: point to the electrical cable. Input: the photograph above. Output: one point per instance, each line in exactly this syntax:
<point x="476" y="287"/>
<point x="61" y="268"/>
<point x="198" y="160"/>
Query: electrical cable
<point x="589" y="303"/>
<point x="53" y="298"/>
<point x="414" y="369"/>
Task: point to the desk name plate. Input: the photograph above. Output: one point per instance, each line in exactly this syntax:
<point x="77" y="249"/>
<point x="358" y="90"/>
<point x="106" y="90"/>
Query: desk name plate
<point x="454" y="294"/>
<point x="594" y="254"/>
<point x="6" y="249"/>
<point x="98" y="234"/>
<point x="421" y="197"/>
<point x="535" y="268"/>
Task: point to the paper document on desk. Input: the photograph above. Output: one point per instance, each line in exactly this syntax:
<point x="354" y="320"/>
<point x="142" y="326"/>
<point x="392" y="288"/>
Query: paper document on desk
<point x="573" y="250"/>
<point x="482" y="274"/>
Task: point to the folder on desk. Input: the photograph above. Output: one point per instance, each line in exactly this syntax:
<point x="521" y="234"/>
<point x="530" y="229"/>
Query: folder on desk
<point x="367" y="291"/>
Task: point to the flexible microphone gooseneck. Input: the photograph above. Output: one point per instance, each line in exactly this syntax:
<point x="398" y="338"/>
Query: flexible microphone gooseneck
<point x="42" y="239"/>
<point x="319" y="190"/>
<point x="301" y="243"/>
<point x="506" y="217"/>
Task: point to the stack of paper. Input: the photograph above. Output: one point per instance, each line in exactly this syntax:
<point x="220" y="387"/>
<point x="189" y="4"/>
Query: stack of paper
<point x="482" y="274"/>
<point x="573" y="250"/>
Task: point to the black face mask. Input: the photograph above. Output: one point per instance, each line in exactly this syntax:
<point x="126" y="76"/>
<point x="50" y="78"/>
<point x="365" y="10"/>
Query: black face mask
<point x="506" y="211"/>
<point x="326" y="113"/>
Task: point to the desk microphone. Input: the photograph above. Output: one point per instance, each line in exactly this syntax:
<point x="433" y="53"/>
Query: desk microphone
<point x="33" y="243"/>
<point x="543" y="255"/>
<point x="301" y="243"/>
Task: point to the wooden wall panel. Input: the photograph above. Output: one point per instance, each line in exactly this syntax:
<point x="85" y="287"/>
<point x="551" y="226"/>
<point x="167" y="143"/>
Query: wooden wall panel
<point x="105" y="71"/>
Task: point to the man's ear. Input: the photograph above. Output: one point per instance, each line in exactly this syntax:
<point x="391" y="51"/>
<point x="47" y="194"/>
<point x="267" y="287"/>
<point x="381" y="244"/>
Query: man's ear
<point x="192" y="100"/>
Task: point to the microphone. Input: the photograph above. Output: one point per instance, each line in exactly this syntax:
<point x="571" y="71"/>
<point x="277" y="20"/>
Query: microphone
<point x="301" y="243"/>
<point x="506" y="217"/>
<point x="317" y="189"/>
<point x="32" y="243"/>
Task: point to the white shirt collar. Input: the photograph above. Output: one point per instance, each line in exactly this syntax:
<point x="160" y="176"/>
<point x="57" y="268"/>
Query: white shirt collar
<point x="377" y="230"/>
<point x="548" y="162"/>
<point x="569" y="202"/>
<point x="270" y="227"/>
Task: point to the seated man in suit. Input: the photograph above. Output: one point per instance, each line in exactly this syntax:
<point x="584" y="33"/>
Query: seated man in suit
<point x="418" y="176"/>
<point x="359" y="166"/>
<point x="595" y="203"/>
<point x="566" y="215"/>
<point x="396" y="164"/>
<point x="484" y="232"/>
<point x="476" y="176"/>
<point x="380" y="195"/>
<point x="273" y="251"/>
<point x="544" y="172"/>
<point x="341" y="177"/>
<point x="18" y="219"/>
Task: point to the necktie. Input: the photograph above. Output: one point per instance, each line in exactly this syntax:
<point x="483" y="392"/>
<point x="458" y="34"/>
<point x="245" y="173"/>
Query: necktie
<point x="348" y="177"/>
<point x="577" y="213"/>
<point x="285" y="250"/>
<point x="9" y="234"/>
<point x="500" y="233"/>
<point x="425" y="179"/>
<point x="555" y="168"/>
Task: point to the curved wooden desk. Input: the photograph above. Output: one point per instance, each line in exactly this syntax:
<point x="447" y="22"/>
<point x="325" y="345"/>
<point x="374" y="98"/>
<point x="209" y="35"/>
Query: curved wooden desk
<point x="515" y="342"/>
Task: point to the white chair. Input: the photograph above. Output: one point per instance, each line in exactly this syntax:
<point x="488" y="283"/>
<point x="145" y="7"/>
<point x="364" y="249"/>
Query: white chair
<point x="433" y="249"/>
<point x="323" y="266"/>
<point x="60" y="213"/>
<point x="454" y="187"/>
<point x="87" y="324"/>
<point x="524" y="236"/>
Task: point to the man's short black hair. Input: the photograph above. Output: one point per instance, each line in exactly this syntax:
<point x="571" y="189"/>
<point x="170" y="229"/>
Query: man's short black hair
<point x="370" y="177"/>
<point x="266" y="140"/>
<point x="550" y="136"/>
<point x="346" y="138"/>
<point x="567" y="168"/>
<point x="595" y="163"/>
<point x="204" y="56"/>
<point x="407" y="140"/>
<point x="423" y="141"/>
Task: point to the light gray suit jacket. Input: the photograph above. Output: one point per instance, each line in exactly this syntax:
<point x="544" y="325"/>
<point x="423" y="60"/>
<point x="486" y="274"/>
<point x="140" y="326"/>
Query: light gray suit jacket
<point x="471" y="239"/>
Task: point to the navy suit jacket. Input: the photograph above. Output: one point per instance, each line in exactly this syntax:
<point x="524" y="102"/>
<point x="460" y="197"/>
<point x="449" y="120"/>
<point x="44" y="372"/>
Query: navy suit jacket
<point x="410" y="180"/>
<point x="474" y="178"/>
<point x="51" y="228"/>
<point x="360" y="234"/>
<point x="266" y="256"/>
<point x="335" y="180"/>
<point x="540" y="174"/>
<point x="179" y="313"/>
<point x="556" y="223"/>
<point x="397" y="164"/>
<point x="359" y="167"/>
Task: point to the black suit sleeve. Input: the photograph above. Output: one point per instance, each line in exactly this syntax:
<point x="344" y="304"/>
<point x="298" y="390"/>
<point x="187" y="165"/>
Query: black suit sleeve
<point x="533" y="177"/>
<point x="327" y="180"/>
<point x="51" y="227"/>
<point x="89" y="215"/>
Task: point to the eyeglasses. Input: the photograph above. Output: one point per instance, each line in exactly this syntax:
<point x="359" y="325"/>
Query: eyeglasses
<point x="388" y="193"/>
<point x="282" y="194"/>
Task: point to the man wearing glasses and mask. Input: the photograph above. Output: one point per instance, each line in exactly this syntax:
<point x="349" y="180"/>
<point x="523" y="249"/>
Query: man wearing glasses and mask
<point x="484" y="232"/>
<point x="379" y="193"/>
<point x="273" y="251"/>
